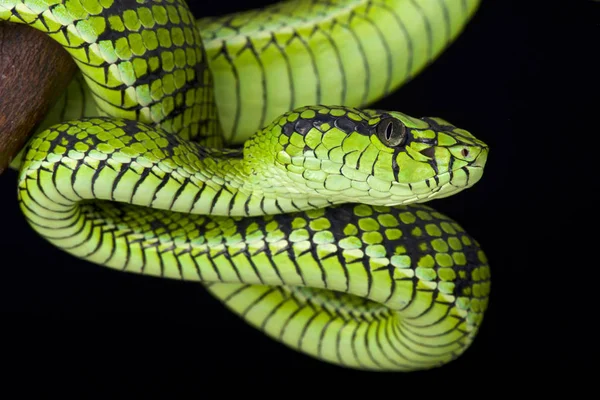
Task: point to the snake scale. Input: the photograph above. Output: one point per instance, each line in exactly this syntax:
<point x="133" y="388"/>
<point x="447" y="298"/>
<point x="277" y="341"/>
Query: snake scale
<point x="239" y="152"/>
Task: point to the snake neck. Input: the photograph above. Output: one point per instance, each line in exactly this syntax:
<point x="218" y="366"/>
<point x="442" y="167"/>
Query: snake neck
<point x="244" y="183"/>
<point x="129" y="162"/>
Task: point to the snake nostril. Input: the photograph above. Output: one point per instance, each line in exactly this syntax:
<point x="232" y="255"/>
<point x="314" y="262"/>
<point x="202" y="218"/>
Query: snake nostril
<point x="464" y="153"/>
<point x="428" y="152"/>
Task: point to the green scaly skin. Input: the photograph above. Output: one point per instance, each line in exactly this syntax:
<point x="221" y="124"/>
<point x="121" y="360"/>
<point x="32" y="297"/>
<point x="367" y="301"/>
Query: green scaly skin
<point x="265" y="63"/>
<point x="369" y="286"/>
<point x="299" y="52"/>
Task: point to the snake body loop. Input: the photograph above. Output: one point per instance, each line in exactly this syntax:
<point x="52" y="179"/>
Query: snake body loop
<point x="312" y="230"/>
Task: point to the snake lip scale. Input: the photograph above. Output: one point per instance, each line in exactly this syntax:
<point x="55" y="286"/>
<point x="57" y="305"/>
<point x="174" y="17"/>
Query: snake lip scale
<point x="235" y="152"/>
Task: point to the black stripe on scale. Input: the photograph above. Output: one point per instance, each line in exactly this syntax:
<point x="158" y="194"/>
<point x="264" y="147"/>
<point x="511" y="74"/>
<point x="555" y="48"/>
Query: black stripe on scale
<point x="178" y="192"/>
<point x="163" y="181"/>
<point x="265" y="249"/>
<point x="434" y="295"/>
<point x="429" y="345"/>
<point x="449" y="308"/>
<point x="257" y="300"/>
<point x="390" y="270"/>
<point x="236" y="78"/>
<point x="125" y="236"/>
<point x="413" y="292"/>
<point x="72" y="215"/>
<point x="39" y="17"/>
<point x="467" y="173"/>
<point x="246" y="205"/>
<point x="278" y="206"/>
<point x="113" y="248"/>
<point x="338" y="56"/>
<point x="341" y="216"/>
<point x="292" y="258"/>
<point x="409" y="41"/>
<point x="142" y="177"/>
<point x="370" y="325"/>
<point x="15" y="13"/>
<point x="41" y="188"/>
<point x="86" y="218"/>
<point x="70" y="211"/>
<point x="313" y="62"/>
<point x="274" y="310"/>
<point x="459" y="321"/>
<point x="387" y="51"/>
<point x="171" y="249"/>
<point x="237" y="291"/>
<point x="255" y="268"/>
<point x="217" y="195"/>
<point x="298" y="209"/>
<point x="450" y="169"/>
<point x="54" y="182"/>
<point x="381" y="323"/>
<point x="42" y="20"/>
<point x="290" y="317"/>
<point x="416" y="352"/>
<point x="286" y="59"/>
<point x="398" y="335"/>
<point x="428" y="29"/>
<point x="313" y="252"/>
<point x="435" y="126"/>
<point x="446" y="15"/>
<point x="353" y="344"/>
<point x="262" y="205"/>
<point x="393" y="343"/>
<point x="364" y="59"/>
<point x="306" y="326"/>
<point x="338" y="340"/>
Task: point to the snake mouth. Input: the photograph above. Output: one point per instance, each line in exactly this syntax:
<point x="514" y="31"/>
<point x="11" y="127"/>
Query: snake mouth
<point x="481" y="159"/>
<point x="458" y="179"/>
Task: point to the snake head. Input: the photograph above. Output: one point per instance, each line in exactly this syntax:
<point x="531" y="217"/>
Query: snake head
<point x="430" y="156"/>
<point x="374" y="157"/>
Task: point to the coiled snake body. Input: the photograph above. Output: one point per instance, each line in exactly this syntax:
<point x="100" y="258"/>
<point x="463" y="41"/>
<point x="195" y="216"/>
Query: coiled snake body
<point x="313" y="230"/>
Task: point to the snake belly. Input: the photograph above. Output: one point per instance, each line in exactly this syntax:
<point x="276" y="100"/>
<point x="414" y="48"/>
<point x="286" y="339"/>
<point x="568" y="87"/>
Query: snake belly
<point x="145" y="186"/>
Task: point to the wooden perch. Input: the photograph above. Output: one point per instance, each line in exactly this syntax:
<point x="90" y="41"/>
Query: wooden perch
<point x="34" y="72"/>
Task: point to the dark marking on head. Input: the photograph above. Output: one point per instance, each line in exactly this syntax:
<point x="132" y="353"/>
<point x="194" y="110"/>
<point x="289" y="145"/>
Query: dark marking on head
<point x="428" y="152"/>
<point x="345" y="124"/>
<point x="436" y="126"/>
<point x="288" y="129"/>
<point x="303" y="126"/>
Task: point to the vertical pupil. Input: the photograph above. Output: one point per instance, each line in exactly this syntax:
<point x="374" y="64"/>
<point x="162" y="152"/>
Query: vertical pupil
<point x="389" y="130"/>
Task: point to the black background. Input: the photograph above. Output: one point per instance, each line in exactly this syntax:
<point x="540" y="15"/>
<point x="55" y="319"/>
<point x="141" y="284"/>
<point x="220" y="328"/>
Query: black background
<point x="523" y="78"/>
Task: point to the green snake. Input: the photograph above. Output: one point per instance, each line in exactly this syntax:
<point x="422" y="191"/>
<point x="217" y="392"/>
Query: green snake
<point x="238" y="151"/>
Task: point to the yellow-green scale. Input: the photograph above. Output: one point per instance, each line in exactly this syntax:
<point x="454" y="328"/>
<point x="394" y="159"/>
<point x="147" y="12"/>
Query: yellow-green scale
<point x="368" y="258"/>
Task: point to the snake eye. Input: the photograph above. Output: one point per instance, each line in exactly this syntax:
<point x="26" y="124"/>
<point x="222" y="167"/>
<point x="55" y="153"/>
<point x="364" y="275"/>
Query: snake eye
<point x="391" y="132"/>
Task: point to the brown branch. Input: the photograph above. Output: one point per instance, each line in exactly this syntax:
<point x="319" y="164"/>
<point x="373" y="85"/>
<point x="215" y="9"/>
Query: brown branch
<point x="34" y="71"/>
